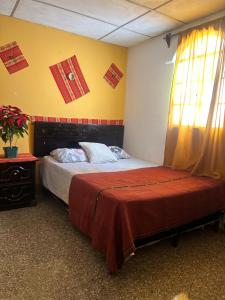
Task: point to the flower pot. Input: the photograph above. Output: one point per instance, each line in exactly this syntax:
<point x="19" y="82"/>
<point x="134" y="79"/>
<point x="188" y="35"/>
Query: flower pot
<point x="10" y="152"/>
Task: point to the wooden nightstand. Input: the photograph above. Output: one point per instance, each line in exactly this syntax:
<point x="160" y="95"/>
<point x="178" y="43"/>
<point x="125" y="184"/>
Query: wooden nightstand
<point x="17" y="181"/>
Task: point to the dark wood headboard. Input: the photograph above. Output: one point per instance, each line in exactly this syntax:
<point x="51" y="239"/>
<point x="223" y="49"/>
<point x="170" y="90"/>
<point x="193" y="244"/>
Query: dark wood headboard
<point x="51" y="135"/>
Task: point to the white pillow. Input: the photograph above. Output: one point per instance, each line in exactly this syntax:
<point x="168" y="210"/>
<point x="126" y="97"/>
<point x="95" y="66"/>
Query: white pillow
<point x="66" y="155"/>
<point x="119" y="152"/>
<point x="98" y="153"/>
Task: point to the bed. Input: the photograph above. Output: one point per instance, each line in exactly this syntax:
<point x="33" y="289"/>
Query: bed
<point x="119" y="204"/>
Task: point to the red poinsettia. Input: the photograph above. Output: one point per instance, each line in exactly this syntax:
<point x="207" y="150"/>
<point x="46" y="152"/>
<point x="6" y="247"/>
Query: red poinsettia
<point x="13" y="122"/>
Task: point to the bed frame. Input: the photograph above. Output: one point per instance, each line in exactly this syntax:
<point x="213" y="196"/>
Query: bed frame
<point x="51" y="135"/>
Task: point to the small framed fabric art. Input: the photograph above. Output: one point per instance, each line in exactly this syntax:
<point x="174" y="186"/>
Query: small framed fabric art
<point x="12" y="57"/>
<point x="69" y="79"/>
<point x="113" y="75"/>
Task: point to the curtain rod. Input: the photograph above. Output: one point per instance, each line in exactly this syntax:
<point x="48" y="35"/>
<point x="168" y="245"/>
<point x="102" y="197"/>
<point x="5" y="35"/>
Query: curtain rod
<point x="199" y="22"/>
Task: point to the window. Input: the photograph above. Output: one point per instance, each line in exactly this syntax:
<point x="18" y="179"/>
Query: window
<point x="219" y="114"/>
<point x="194" y="80"/>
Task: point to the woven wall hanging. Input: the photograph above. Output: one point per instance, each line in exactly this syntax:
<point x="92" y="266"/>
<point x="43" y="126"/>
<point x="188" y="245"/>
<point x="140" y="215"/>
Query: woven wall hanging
<point x="113" y="75"/>
<point x="12" y="57"/>
<point x="69" y="79"/>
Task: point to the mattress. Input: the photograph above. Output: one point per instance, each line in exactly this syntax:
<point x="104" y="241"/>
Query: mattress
<point x="56" y="177"/>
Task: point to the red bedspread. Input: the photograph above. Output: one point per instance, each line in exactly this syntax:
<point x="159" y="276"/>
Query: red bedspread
<point x="117" y="208"/>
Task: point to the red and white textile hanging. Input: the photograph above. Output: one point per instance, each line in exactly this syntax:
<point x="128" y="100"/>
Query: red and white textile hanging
<point x="12" y="57"/>
<point x="69" y="79"/>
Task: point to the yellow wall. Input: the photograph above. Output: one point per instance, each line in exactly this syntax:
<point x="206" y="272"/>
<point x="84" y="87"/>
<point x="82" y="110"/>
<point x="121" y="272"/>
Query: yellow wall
<point x="34" y="90"/>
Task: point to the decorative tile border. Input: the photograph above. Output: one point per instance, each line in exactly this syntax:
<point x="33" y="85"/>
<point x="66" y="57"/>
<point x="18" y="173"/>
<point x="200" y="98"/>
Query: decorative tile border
<point x="76" y="121"/>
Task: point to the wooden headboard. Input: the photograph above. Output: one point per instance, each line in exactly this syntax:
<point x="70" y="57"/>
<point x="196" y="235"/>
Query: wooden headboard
<point x="51" y="135"/>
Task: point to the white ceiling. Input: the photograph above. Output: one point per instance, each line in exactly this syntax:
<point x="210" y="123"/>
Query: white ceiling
<point x="121" y="22"/>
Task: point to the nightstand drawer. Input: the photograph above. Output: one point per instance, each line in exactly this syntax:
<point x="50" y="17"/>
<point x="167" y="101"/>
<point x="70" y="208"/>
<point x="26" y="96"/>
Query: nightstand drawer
<point x="17" y="181"/>
<point x="16" y="173"/>
<point x="14" y="195"/>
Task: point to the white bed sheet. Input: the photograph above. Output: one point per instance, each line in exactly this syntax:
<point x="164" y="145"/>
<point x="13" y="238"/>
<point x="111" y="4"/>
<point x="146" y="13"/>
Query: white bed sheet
<point x="56" y="176"/>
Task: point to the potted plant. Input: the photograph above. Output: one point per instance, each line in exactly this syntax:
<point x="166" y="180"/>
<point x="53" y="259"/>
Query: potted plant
<point x="13" y="123"/>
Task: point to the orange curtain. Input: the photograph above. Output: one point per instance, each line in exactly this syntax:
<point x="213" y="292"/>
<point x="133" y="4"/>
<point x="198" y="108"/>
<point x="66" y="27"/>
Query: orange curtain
<point x="196" y="127"/>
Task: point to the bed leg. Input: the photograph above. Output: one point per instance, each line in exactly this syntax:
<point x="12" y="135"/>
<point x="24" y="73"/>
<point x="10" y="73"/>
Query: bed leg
<point x="222" y="222"/>
<point x="216" y="226"/>
<point x="175" y="240"/>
